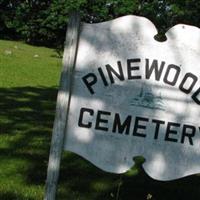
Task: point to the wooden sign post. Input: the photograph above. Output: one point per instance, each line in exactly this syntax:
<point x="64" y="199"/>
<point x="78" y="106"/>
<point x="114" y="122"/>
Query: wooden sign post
<point x="62" y="107"/>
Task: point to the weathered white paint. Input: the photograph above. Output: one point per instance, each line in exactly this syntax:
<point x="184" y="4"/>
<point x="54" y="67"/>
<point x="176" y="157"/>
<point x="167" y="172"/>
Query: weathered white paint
<point x="127" y="38"/>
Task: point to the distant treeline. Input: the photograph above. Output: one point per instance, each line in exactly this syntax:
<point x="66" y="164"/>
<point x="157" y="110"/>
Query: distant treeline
<point x="44" y="22"/>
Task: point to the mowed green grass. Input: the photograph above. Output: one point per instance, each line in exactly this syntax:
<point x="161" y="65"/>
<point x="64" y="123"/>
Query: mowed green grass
<point x="29" y="79"/>
<point x="28" y="86"/>
<point x="25" y="65"/>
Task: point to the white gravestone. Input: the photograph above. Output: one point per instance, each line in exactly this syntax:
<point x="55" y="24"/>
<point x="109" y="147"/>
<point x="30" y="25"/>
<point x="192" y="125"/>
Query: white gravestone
<point x="134" y="96"/>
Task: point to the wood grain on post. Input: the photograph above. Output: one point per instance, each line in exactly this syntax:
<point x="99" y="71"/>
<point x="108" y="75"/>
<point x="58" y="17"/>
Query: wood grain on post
<point x="62" y="107"/>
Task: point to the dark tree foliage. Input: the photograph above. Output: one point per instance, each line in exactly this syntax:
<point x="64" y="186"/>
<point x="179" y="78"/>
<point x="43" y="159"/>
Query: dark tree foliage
<point x="44" y="22"/>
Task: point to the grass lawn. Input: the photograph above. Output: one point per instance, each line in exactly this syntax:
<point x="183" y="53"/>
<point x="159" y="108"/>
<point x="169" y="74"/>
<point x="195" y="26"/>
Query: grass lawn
<point x="29" y="79"/>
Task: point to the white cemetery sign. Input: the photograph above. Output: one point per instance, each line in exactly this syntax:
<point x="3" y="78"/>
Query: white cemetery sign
<point x="134" y="96"/>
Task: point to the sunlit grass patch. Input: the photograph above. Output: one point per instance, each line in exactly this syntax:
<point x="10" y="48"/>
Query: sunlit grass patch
<point x="21" y="67"/>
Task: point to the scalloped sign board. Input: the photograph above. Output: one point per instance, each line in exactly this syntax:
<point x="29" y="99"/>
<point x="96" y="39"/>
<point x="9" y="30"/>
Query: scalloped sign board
<point x="134" y="96"/>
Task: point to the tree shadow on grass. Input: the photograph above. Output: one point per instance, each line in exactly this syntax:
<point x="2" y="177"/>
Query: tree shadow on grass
<point x="27" y="115"/>
<point x="144" y="187"/>
<point x="13" y="196"/>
